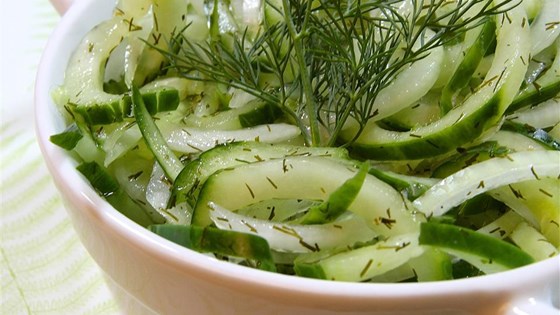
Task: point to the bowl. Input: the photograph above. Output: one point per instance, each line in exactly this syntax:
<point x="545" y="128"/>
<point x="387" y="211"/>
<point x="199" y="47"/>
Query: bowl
<point x="169" y="279"/>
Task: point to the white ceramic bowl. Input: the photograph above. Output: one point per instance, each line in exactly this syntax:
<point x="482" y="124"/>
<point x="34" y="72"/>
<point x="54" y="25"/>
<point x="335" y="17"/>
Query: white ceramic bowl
<point x="170" y="279"/>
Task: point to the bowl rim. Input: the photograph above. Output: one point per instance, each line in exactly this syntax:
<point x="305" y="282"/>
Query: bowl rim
<point x="61" y="167"/>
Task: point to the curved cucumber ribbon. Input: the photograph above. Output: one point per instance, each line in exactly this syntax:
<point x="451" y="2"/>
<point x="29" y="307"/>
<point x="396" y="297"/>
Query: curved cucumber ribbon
<point x="466" y="122"/>
<point x="487" y="175"/>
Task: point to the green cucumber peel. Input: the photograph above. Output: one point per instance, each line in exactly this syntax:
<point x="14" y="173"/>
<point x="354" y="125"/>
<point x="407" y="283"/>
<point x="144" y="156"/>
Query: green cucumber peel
<point x="409" y="186"/>
<point x="69" y="138"/>
<point x="252" y="114"/>
<point x="109" y="188"/>
<point x="486" y="252"/>
<point x="469" y="156"/>
<point x="468" y="65"/>
<point x="537" y="134"/>
<point x="167" y="159"/>
<point x="545" y="87"/>
<point x="338" y="201"/>
<point x="195" y="173"/>
<point x="384" y="209"/>
<point x="222" y="242"/>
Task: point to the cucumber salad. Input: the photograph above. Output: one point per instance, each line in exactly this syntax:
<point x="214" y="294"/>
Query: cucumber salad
<point x="359" y="140"/>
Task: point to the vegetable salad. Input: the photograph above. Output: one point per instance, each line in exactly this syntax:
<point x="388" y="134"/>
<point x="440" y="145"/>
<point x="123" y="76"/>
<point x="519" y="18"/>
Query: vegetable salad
<point x="369" y="140"/>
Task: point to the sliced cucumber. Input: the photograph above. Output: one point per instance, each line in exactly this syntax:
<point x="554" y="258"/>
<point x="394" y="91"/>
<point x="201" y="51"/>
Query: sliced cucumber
<point x="515" y="141"/>
<point x="383" y="208"/>
<point x="169" y="162"/>
<point x="83" y="82"/>
<point x="191" y="179"/>
<point x="109" y="188"/>
<point x="84" y="78"/>
<point x="424" y="111"/>
<point x="254" y="113"/>
<point x="394" y="98"/>
<point x="544" y="29"/>
<point x="338" y="201"/>
<point x="362" y="263"/>
<point x="544" y="115"/>
<point x="503" y="226"/>
<point x="536" y="200"/>
<point x="69" y="138"/>
<point x="468" y="65"/>
<point x="209" y="239"/>
<point x="410" y="186"/>
<point x="484" y="176"/>
<point x="143" y="61"/>
<point x="296" y="238"/>
<point x="479" y="112"/>
<point x="532" y="242"/>
<point x="197" y="140"/>
<point x="545" y="87"/>
<point x="535" y="134"/>
<point x="487" y="253"/>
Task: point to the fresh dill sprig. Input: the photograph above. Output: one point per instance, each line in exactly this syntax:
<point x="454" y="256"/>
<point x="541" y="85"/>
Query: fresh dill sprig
<point x="324" y="62"/>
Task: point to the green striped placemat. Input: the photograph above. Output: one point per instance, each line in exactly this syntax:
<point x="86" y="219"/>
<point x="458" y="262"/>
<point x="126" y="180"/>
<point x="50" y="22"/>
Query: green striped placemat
<point x="44" y="267"/>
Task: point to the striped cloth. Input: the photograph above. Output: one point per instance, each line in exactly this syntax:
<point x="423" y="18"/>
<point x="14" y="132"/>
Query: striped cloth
<point x="44" y="269"/>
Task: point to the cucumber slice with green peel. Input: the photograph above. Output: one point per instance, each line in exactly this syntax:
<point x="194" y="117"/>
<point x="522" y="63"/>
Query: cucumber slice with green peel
<point x="143" y="61"/>
<point x="191" y="179"/>
<point x="545" y="87"/>
<point x="410" y="186"/>
<point x="338" y="201"/>
<point x="536" y="134"/>
<point x="362" y="263"/>
<point x="470" y="156"/>
<point x="381" y="206"/>
<point x="395" y="98"/>
<point x="83" y="83"/>
<point x="198" y="140"/>
<point x="109" y="188"/>
<point x="487" y="175"/>
<point x="423" y="112"/>
<point x="487" y="253"/>
<point x="296" y="238"/>
<point x="479" y="112"/>
<point x="169" y="162"/>
<point x="254" y="113"/>
<point x="69" y="138"/>
<point x="468" y="65"/>
<point x="515" y="141"/>
<point x="543" y="115"/>
<point x="222" y="242"/>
